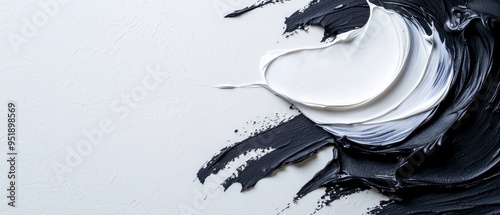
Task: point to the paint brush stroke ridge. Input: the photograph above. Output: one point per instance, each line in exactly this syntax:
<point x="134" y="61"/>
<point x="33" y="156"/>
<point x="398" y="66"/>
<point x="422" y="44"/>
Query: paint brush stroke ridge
<point x="435" y="150"/>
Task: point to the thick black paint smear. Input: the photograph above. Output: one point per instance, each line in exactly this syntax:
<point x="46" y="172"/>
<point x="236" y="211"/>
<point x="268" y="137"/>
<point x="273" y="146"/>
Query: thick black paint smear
<point x="450" y="164"/>
<point x="292" y="142"/>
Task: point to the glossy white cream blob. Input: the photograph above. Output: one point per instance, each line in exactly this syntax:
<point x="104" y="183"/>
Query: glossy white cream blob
<point x="346" y="72"/>
<point x="374" y="85"/>
<point x="415" y="63"/>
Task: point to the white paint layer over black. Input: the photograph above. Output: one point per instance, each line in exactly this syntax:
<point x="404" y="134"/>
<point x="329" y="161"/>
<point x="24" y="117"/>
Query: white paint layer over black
<point x="450" y="161"/>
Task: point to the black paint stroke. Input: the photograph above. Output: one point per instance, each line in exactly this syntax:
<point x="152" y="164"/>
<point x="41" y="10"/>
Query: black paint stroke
<point x="450" y="164"/>
<point x="292" y="142"/>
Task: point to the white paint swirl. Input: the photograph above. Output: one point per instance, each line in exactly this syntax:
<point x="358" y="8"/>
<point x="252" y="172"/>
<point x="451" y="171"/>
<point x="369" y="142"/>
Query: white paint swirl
<point x="374" y="85"/>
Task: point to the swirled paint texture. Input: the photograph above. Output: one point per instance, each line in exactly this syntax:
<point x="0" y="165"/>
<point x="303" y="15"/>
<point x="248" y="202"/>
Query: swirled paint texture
<point x="434" y="149"/>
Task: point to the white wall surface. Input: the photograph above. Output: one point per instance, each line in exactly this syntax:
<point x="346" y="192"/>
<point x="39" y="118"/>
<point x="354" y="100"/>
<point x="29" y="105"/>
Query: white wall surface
<point x="142" y="70"/>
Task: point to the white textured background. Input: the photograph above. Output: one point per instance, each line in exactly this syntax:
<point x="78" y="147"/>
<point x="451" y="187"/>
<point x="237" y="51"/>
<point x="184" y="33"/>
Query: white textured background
<point x="73" y="68"/>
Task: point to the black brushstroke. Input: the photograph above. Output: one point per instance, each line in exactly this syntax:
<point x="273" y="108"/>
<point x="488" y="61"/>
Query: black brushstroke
<point x="252" y="7"/>
<point x="450" y="164"/>
<point x="293" y="142"/>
